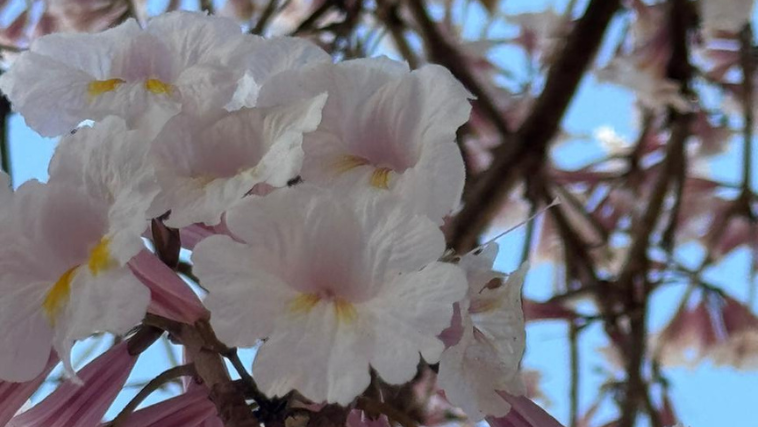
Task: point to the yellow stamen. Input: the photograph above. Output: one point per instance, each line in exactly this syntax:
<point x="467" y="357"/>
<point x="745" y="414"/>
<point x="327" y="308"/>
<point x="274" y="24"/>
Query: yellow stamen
<point x="348" y="162"/>
<point x="57" y="296"/>
<point x="345" y="311"/>
<point x="158" y="87"/>
<point x="100" y="257"/>
<point x="380" y="178"/>
<point x="304" y="303"/>
<point x="99" y="87"/>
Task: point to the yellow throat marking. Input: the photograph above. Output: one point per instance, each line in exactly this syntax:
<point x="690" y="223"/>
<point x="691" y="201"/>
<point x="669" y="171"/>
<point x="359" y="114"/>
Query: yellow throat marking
<point x="349" y="162"/>
<point x="100" y="258"/>
<point x="58" y="296"/>
<point x="343" y="310"/>
<point x="99" y="87"/>
<point x="158" y="87"/>
<point x="380" y="178"/>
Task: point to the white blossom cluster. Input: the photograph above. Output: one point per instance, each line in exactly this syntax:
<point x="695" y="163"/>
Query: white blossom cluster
<point x="325" y="186"/>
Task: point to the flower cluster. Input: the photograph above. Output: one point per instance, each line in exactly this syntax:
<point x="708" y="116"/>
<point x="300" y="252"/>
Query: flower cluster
<point x="310" y="194"/>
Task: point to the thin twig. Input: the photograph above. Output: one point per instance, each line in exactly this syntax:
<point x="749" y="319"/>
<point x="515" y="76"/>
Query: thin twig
<point x="525" y="153"/>
<point x="206" y="6"/>
<point x="5" y="157"/>
<point x="266" y="16"/>
<point x="154" y="384"/>
<point x="574" y="386"/>
<point x="251" y="386"/>
<point x="748" y="69"/>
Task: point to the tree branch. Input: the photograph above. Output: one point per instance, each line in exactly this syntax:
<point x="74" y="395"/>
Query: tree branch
<point x="154" y="384"/>
<point x="633" y="277"/>
<point x="525" y="151"/>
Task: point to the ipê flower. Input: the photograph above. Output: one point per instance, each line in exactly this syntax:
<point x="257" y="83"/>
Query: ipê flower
<point x="60" y="279"/>
<point x="487" y="357"/>
<point x="181" y="60"/>
<point x="335" y="284"/>
<point x="384" y="129"/>
<point x="204" y="167"/>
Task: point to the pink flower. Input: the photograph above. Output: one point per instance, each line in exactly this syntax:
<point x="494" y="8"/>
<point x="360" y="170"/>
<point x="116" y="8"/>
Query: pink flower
<point x="72" y="405"/>
<point x="14" y="395"/>
<point x="170" y="296"/>
<point x="717" y="327"/>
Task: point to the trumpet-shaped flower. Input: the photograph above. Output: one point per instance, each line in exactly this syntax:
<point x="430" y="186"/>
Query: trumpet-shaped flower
<point x="487" y="357"/>
<point x="59" y="280"/>
<point x="177" y="62"/>
<point x="383" y="128"/>
<point x="205" y="168"/>
<point x="110" y="163"/>
<point x="335" y="284"/>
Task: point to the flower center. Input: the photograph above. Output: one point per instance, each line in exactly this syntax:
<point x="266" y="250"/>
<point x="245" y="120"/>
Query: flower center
<point x="58" y="295"/>
<point x="380" y="176"/>
<point x="99" y="87"/>
<point x="158" y="87"/>
<point x="344" y="310"/>
<point x="100" y="258"/>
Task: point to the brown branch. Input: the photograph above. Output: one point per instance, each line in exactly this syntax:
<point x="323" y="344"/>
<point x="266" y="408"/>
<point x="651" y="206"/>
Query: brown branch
<point x="206" y="6"/>
<point x="5" y="157"/>
<point x="748" y="70"/>
<point x="441" y="51"/>
<point x="154" y="384"/>
<point x="633" y="277"/>
<point x="388" y="13"/>
<point x="266" y="15"/>
<point x="372" y="405"/>
<point x="525" y="151"/>
<point x="231" y="405"/>
<point x="574" y="386"/>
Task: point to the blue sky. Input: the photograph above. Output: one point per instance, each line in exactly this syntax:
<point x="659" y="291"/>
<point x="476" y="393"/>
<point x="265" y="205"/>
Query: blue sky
<point x="699" y="394"/>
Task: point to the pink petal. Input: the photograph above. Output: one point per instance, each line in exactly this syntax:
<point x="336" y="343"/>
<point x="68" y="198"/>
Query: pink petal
<point x="171" y="297"/>
<point x="14" y="395"/>
<point x="73" y="405"/>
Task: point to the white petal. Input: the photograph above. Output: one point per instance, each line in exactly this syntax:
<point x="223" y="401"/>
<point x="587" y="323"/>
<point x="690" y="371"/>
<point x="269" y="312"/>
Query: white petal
<point x="335" y="369"/>
<point x="409" y="313"/>
<point x="205" y="169"/>
<point x="24" y="332"/>
<point x="194" y="38"/>
<point x="114" y="301"/>
<point x="244" y="297"/>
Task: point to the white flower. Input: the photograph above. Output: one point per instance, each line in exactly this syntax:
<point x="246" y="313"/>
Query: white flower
<point x="653" y="91"/>
<point x="205" y="166"/>
<point x="335" y="284"/>
<point x="110" y="163"/>
<point x="58" y="280"/>
<point x="383" y="128"/>
<point x="177" y="62"/>
<point x="611" y="142"/>
<point x="487" y="357"/>
<point x="263" y="58"/>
